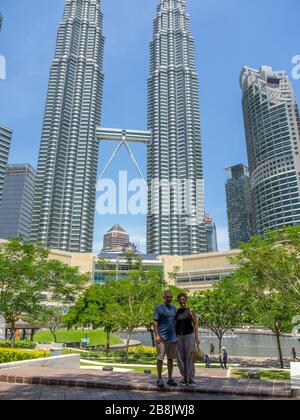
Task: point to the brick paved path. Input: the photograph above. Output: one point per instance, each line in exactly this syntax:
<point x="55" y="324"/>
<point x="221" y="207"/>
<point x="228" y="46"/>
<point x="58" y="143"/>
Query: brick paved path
<point x="138" y="382"/>
<point x="10" y="392"/>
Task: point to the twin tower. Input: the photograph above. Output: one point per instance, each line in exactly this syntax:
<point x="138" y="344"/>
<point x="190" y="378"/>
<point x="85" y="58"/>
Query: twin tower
<point x="65" y="193"/>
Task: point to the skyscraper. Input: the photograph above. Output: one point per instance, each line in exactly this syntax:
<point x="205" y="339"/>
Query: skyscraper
<point x="174" y="155"/>
<point x="211" y="234"/>
<point x="239" y="206"/>
<point x="5" y="141"/>
<point x="63" y="216"/>
<point x="17" y="202"/>
<point x="115" y="239"/>
<point x="273" y="141"/>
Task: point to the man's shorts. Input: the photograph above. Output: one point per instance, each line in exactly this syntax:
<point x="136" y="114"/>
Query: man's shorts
<point x="166" y="349"/>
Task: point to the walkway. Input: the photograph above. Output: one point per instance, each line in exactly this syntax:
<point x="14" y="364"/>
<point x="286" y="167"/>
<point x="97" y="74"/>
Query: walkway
<point x="140" y="382"/>
<point x="10" y="392"/>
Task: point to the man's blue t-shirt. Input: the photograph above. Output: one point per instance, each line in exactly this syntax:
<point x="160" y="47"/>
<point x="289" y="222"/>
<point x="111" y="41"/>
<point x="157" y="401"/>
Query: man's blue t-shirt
<point x="165" y="315"/>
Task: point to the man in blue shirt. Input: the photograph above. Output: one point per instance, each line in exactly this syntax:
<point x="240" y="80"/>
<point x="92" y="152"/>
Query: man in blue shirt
<point x="165" y="336"/>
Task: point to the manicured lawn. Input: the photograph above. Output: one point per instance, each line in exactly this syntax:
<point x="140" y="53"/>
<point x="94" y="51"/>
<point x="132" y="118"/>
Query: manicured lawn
<point x="266" y="375"/>
<point x="97" y="337"/>
<point x="136" y="369"/>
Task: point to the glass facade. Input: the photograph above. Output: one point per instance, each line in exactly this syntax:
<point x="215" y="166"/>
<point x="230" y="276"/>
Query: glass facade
<point x="175" y="152"/>
<point x="273" y="140"/>
<point x="113" y="266"/>
<point x="5" y="141"/>
<point x="239" y="206"/>
<point x="65" y="193"/>
<point x="17" y="202"/>
<point x="211" y="235"/>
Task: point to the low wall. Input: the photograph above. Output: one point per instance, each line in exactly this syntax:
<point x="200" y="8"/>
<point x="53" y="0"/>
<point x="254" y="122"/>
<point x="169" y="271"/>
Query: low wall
<point x="70" y="361"/>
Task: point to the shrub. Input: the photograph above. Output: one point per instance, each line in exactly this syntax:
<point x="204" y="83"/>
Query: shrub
<point x="15" y="355"/>
<point x="23" y="344"/>
<point x="143" y="351"/>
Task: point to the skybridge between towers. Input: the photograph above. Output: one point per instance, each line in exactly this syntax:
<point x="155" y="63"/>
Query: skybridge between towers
<point x="124" y="137"/>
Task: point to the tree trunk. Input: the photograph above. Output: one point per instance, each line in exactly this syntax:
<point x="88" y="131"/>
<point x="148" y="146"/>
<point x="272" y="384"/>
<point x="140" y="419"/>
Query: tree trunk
<point x="220" y="344"/>
<point x="279" y="349"/>
<point x="107" y="340"/>
<point x="12" y="333"/>
<point x="127" y="346"/>
<point x="53" y="332"/>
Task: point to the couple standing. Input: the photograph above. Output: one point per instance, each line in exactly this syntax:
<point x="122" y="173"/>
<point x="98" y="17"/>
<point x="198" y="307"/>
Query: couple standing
<point x="176" y="333"/>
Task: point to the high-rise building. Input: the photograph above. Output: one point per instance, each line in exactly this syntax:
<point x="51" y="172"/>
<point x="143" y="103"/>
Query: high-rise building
<point x="211" y="234"/>
<point x="65" y="193"/>
<point x="115" y="239"/>
<point x="17" y="202"/>
<point x="239" y="206"/>
<point x="174" y="155"/>
<point x="273" y="141"/>
<point x="5" y="141"/>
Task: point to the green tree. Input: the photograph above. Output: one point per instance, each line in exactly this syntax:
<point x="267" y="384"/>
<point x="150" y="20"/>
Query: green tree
<point x="90" y="311"/>
<point x="269" y="271"/>
<point x="271" y="263"/>
<point x="50" y="318"/>
<point x="220" y="309"/>
<point x="131" y="306"/>
<point x="26" y="273"/>
<point x="275" y="314"/>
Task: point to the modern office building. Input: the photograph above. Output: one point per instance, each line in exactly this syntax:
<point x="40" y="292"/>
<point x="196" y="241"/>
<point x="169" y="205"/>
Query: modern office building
<point x="65" y="193"/>
<point x="211" y="234"/>
<point x="114" y="266"/>
<point x="174" y="154"/>
<point x="239" y="206"/>
<point x="273" y="141"/>
<point x="17" y="202"/>
<point x="115" y="239"/>
<point x="5" y="141"/>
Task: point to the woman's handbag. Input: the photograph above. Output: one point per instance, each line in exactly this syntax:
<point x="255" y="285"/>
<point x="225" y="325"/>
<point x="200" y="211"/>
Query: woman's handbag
<point x="198" y="355"/>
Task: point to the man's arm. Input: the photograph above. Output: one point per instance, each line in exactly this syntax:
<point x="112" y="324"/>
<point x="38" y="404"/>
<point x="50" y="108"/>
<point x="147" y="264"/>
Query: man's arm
<point x="156" y="335"/>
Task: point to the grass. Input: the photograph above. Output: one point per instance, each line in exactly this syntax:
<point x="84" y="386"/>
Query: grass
<point x="115" y="357"/>
<point x="266" y="375"/>
<point x="97" y="337"/>
<point x="136" y="369"/>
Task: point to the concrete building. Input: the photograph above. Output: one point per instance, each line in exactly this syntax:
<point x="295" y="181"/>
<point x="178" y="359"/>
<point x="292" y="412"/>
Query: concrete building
<point x="272" y="128"/>
<point x="17" y="201"/>
<point x="199" y="272"/>
<point x="107" y="263"/>
<point x="175" y="223"/>
<point x="239" y="206"/>
<point x="65" y="193"/>
<point x="5" y="141"/>
<point x="115" y="239"/>
<point x="192" y="272"/>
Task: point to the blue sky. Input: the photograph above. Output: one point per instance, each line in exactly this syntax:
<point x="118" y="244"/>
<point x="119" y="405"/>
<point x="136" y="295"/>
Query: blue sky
<point x="229" y="34"/>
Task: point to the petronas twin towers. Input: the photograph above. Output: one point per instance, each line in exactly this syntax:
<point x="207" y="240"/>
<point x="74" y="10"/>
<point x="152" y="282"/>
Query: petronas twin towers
<point x="67" y="169"/>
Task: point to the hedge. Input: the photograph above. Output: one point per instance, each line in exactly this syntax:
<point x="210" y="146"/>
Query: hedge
<point x="14" y="355"/>
<point x="143" y="351"/>
<point x="22" y="344"/>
